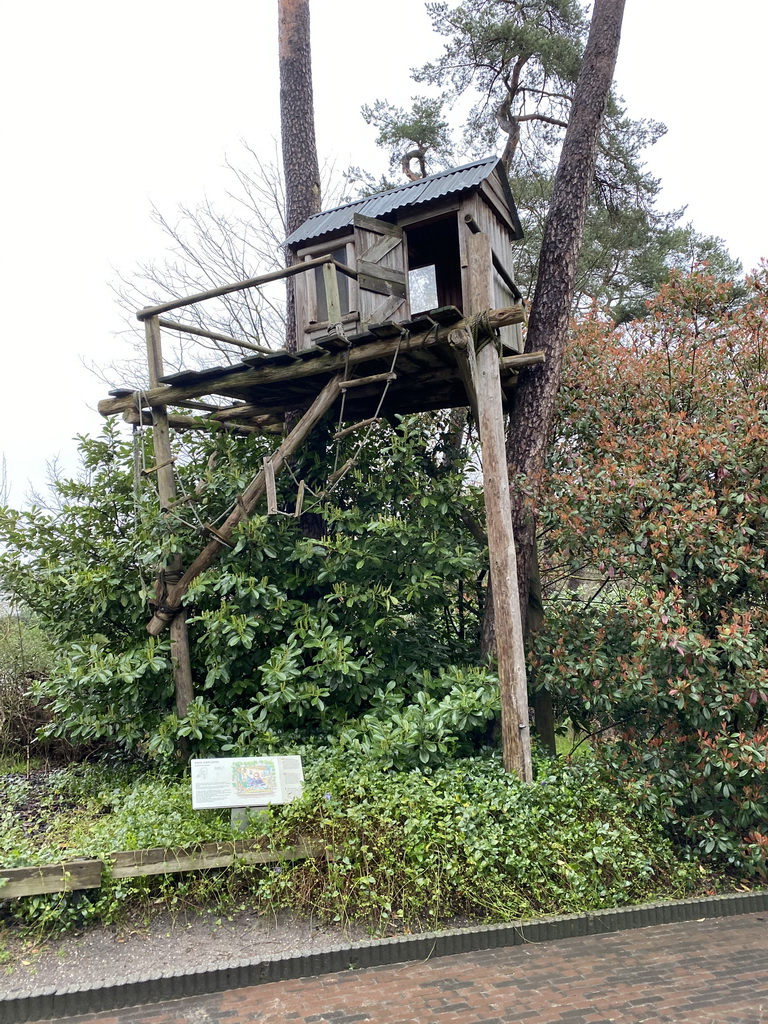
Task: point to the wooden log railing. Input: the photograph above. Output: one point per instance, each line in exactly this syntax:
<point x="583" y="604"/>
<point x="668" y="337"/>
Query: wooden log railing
<point x="239" y="286"/>
<point x="86" y="873"/>
<point x="200" y="332"/>
<point x="151" y="315"/>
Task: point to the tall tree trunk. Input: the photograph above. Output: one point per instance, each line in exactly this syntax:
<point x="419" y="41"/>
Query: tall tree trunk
<point x="531" y="421"/>
<point x="297" y="129"/>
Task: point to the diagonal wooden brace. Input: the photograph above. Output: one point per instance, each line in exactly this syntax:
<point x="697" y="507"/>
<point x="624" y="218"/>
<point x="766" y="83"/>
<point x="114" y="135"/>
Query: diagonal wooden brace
<point x="245" y="505"/>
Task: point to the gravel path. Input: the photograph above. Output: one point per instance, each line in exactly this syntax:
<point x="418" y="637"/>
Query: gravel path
<point x="178" y="944"/>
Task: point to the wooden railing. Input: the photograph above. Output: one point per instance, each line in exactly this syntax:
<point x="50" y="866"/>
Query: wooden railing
<point x="86" y="873"/>
<point x="330" y="268"/>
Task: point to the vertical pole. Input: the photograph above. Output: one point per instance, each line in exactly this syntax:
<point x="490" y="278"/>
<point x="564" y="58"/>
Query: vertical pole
<point x="510" y="651"/>
<point x="166" y="487"/>
<point x="332" y="300"/>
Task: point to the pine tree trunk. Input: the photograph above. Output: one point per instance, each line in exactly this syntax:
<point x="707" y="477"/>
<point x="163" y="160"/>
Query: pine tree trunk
<point x="532" y="418"/>
<point x="297" y="129"/>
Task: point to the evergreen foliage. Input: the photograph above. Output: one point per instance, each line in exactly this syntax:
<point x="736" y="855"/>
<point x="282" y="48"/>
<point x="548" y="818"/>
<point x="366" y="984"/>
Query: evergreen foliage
<point x="519" y="60"/>
<point x="366" y="634"/>
<point x="409" y="849"/>
<point x="655" y="544"/>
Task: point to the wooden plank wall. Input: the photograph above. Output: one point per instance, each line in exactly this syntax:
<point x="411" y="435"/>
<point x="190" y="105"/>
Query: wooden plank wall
<point x="395" y="260"/>
<point x="502" y="245"/>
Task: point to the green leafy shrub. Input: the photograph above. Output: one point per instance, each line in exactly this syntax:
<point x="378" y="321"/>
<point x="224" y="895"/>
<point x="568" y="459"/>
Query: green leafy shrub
<point x="25" y="656"/>
<point x="293" y="637"/>
<point x="659" y="521"/>
<point x="405" y="848"/>
<point x="468" y="839"/>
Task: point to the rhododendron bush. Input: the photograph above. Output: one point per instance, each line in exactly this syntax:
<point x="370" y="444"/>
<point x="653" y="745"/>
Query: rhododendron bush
<point x="653" y="551"/>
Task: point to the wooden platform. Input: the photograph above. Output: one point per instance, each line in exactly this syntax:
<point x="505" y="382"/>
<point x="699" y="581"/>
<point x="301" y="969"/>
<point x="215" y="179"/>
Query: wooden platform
<point x="264" y="387"/>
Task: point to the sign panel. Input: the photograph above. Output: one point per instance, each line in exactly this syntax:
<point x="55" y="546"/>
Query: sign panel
<point x="245" y="781"/>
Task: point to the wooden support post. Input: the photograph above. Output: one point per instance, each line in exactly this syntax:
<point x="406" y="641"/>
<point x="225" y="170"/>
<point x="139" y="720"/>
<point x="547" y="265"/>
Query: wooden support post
<point x="515" y="730"/>
<point x="166" y="487"/>
<point x="246" y="503"/>
<point x="332" y="299"/>
<point x="463" y="349"/>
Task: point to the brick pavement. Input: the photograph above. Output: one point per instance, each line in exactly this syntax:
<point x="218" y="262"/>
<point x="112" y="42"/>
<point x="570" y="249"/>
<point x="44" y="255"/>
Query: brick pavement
<point x="713" y="971"/>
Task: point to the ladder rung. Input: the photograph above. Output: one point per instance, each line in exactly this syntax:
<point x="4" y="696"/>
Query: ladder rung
<point x="155" y="469"/>
<point x="375" y="378"/>
<point x="300" y="498"/>
<point x="216" y="535"/>
<point x="356" y="426"/>
<point x="339" y="473"/>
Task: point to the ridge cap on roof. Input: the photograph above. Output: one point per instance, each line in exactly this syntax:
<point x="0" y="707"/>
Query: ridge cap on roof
<point x="406" y="184"/>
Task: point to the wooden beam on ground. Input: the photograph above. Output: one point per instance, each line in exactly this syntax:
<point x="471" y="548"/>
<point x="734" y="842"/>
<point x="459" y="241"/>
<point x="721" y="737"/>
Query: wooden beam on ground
<point x="64" y="877"/>
<point x="161" y="861"/>
<point x="301" y="369"/>
<point x="88" y="873"/>
<point x="510" y="651"/>
<point x="166" y="487"/>
<point x="245" y="505"/>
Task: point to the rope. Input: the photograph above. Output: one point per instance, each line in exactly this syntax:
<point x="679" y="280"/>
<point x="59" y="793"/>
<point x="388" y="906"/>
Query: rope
<point x="404" y="336"/>
<point x="341" y="408"/>
<point x="483" y="334"/>
<point x="296" y="480"/>
<point x="185" y="495"/>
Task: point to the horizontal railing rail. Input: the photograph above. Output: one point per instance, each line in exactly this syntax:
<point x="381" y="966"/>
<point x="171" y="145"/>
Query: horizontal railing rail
<point x="86" y="873"/>
<point x="238" y="286"/>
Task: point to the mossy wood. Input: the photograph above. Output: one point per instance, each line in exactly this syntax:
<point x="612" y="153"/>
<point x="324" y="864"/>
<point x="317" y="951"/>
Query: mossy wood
<point x="35" y="881"/>
<point x="161" y="861"/>
<point x="87" y="874"/>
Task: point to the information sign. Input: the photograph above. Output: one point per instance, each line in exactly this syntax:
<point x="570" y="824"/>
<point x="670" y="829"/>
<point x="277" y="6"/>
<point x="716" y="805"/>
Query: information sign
<point x="245" y="781"/>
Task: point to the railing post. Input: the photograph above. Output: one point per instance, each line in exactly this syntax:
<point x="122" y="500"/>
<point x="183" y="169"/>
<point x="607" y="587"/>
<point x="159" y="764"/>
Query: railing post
<point x="166" y="488"/>
<point x="332" y="299"/>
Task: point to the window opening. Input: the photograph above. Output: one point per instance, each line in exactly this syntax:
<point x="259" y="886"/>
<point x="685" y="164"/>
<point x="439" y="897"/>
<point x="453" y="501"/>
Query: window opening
<point x="434" y="263"/>
<point x="422" y="288"/>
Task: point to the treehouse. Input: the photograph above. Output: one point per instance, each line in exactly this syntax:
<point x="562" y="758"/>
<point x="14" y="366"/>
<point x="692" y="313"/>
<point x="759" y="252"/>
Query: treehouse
<point x="405" y="303"/>
<point x="408" y="247"/>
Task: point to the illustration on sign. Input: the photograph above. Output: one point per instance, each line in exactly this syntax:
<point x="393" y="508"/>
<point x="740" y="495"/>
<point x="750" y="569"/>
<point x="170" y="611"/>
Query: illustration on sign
<point x="254" y="779"/>
<point x="245" y="781"/>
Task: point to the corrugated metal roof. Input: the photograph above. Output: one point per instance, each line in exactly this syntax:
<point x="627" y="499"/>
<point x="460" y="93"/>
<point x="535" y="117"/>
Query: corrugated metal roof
<point x="457" y="179"/>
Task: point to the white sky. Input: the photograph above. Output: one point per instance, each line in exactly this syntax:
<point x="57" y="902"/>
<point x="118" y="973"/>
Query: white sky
<point x="109" y="107"/>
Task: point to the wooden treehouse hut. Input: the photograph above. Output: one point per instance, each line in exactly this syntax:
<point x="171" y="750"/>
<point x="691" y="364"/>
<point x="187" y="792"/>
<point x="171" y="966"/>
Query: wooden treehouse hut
<point x="405" y="302"/>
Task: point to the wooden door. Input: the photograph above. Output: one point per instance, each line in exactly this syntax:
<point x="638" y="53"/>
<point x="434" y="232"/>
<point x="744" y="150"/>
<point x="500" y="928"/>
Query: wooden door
<point x="382" y="269"/>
